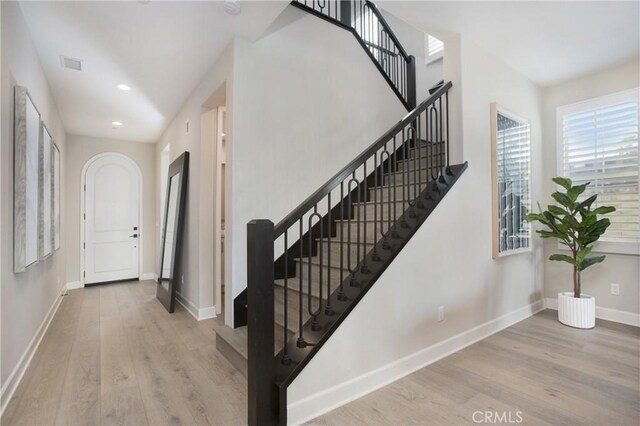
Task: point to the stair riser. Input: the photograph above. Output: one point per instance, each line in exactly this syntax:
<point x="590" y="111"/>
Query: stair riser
<point x="315" y="274"/>
<point x="380" y="210"/>
<point x="336" y="252"/>
<point x="373" y="235"/>
<point x="384" y="194"/>
<point x="408" y="177"/>
<point x="419" y="164"/>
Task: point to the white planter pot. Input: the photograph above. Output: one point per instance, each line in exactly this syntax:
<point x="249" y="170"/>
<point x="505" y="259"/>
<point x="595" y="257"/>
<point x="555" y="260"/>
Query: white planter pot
<point x="579" y="313"/>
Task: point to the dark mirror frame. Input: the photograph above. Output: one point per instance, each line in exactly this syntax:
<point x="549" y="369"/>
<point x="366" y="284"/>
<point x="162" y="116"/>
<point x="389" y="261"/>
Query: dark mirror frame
<point x="168" y="297"/>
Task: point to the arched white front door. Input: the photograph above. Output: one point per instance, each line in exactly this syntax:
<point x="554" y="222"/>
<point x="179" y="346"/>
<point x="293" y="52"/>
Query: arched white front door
<point x="111" y="220"/>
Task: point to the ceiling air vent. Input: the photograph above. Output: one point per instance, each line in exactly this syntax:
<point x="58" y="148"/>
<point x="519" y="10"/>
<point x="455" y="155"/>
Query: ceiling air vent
<point x="71" y="63"/>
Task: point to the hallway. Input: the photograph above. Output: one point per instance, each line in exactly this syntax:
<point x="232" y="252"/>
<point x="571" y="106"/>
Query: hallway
<point x="113" y="355"/>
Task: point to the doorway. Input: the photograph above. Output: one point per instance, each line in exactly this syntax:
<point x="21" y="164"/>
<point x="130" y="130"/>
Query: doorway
<point x="111" y="208"/>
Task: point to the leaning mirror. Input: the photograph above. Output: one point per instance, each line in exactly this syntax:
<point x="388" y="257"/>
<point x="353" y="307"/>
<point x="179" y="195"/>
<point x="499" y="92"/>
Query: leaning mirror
<point x="171" y="253"/>
<point x="511" y="172"/>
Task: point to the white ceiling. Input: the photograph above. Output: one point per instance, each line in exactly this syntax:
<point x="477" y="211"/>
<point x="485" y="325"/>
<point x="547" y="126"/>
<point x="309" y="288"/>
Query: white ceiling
<point x="548" y="41"/>
<point x="161" y="49"/>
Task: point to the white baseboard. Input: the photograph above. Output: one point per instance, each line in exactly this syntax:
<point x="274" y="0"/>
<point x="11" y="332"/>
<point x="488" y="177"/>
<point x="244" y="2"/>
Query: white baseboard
<point x="12" y="382"/>
<point x="148" y="276"/>
<point x="608" y="314"/>
<point x="73" y="285"/>
<point x="315" y="405"/>
<point x="198" y="313"/>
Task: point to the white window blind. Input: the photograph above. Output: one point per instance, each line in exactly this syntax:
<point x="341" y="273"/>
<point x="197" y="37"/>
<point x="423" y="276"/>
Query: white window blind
<point x="433" y="48"/>
<point x="599" y="144"/>
<point x="435" y="45"/>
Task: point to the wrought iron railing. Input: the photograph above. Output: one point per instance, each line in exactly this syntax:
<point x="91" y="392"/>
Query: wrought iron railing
<point x="374" y="34"/>
<point x="333" y="244"/>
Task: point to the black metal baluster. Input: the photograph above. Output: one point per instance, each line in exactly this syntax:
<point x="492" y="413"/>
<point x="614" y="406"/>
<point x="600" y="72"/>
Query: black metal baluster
<point x="420" y="204"/>
<point x="363" y="268"/>
<point x="315" y="326"/>
<point x="446" y="96"/>
<point x="328" y="309"/>
<point x="405" y="174"/>
<point x="286" y="360"/>
<point x="341" y="295"/>
<point x="301" y="342"/>
<point x="441" y="157"/>
<point x="394" y="232"/>
<point x="352" y="270"/>
<point x="375" y="255"/>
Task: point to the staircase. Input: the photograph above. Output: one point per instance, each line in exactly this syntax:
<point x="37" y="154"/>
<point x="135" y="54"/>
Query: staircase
<point x="308" y="272"/>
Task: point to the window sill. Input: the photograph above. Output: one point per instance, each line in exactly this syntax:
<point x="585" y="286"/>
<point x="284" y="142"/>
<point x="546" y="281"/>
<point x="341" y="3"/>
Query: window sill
<point x="433" y="59"/>
<point x="609" y="247"/>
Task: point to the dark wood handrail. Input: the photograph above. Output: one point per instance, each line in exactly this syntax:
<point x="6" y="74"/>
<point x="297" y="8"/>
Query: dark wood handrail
<point x="388" y="29"/>
<point x="332" y="183"/>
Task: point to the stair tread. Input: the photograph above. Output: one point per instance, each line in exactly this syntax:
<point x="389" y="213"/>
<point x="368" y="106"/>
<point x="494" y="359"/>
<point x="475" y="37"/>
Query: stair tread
<point x="294" y="285"/>
<point x="336" y="240"/>
<point x="315" y="260"/>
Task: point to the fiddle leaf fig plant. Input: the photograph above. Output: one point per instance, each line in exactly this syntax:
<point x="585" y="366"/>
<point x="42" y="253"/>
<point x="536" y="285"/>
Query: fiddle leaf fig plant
<point x="575" y="224"/>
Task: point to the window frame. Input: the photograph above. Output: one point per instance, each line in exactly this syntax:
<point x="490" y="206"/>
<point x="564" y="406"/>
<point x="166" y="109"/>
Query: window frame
<point x="495" y="109"/>
<point x="611" y="247"/>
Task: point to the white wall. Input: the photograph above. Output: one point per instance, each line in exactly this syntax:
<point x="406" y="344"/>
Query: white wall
<point x="27" y="297"/>
<point x="197" y="289"/>
<point x="307" y="101"/>
<point x="447" y="263"/>
<point x="617" y="268"/>
<point x="80" y="150"/>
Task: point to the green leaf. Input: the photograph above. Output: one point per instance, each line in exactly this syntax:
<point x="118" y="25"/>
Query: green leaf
<point x="563" y="199"/>
<point x="582" y="254"/>
<point x="604" y="210"/>
<point x="575" y="191"/>
<point x="557" y="210"/>
<point x="562" y="258"/>
<point x="563" y="182"/>
<point x="586" y="204"/>
<point x="591" y="261"/>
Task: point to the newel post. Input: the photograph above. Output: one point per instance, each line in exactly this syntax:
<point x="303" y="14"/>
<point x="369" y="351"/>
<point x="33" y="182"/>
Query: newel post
<point x="345" y="13"/>
<point x="262" y="391"/>
<point x="411" y="82"/>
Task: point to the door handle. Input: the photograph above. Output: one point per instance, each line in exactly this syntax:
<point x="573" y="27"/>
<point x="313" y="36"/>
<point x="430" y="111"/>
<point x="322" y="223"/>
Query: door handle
<point x="134" y="235"/>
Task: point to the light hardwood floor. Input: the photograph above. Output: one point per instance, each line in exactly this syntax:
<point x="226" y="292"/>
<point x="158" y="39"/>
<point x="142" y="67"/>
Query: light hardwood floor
<point x="112" y="355"/>
<point x="551" y="373"/>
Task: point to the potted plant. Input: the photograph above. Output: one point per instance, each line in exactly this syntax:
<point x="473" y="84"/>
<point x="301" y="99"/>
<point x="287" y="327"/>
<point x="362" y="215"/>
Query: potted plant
<point x="576" y="225"/>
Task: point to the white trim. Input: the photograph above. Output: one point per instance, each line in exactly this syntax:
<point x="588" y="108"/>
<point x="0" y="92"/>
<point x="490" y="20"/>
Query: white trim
<point x="73" y="285"/>
<point x="12" y="382"/>
<point x="149" y="276"/>
<point x="198" y="313"/>
<point x="315" y="405"/>
<point x="607" y="314"/>
<point x="83" y="176"/>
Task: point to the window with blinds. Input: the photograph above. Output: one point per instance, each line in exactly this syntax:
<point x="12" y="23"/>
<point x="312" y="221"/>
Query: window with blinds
<point x="433" y="48"/>
<point x="511" y="168"/>
<point x="599" y="144"/>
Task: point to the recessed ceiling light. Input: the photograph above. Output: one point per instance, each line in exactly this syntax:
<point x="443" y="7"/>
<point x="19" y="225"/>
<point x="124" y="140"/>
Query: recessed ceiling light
<point x="232" y="7"/>
<point x="116" y="123"/>
<point x="224" y="134"/>
<point x="123" y="87"/>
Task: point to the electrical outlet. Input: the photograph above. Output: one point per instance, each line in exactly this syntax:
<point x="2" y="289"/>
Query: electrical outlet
<point x="615" y="289"/>
<point x="440" y="313"/>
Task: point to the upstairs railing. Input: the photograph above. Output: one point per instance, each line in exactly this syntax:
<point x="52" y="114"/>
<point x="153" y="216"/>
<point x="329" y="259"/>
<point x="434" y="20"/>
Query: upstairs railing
<point x="346" y="230"/>
<point x="374" y="34"/>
